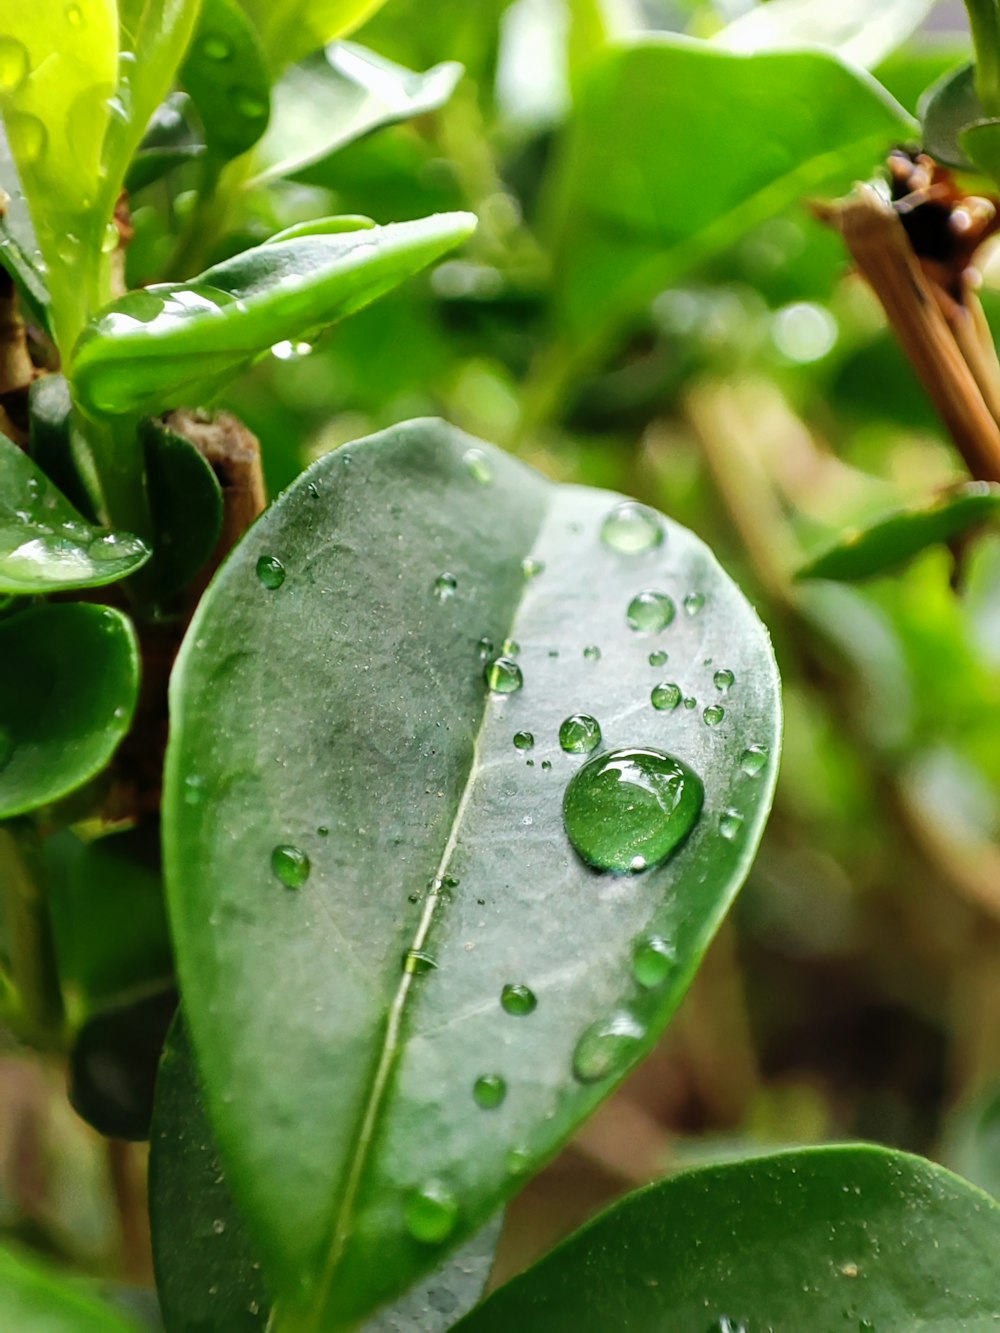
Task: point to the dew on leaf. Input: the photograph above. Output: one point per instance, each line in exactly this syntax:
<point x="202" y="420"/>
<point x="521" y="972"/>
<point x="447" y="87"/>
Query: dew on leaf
<point x="580" y="734"/>
<point x="607" y="1046"/>
<point x="503" y="675"/>
<point x="445" y="586"/>
<point x="270" y="572"/>
<point x="592" y="653"/>
<point x="531" y="568"/>
<point x="14" y="64"/>
<point x="431" y="1213"/>
<point x="665" y="696"/>
<point x="653" y="960"/>
<point x="730" y="824"/>
<point x="658" y="657"/>
<point x="753" y="759"/>
<point x="523" y="740"/>
<point x="723" y="679"/>
<point x="631" y="528"/>
<point x="650" y="612"/>
<point x="484" y="648"/>
<point x="250" y="104"/>
<point x="291" y="865"/>
<point x="478" y="466"/>
<point x="693" y="602"/>
<point x="690" y="702"/>
<point x="518" y="999"/>
<point x="489" y="1091"/>
<point x="547" y="764"/>
<point x="713" y="714"/>
<point x="416" y="962"/>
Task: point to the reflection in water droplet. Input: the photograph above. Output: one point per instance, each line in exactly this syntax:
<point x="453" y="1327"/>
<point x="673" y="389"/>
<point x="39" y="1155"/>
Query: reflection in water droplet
<point x="27" y="136"/>
<point x="653" y="960"/>
<point x="523" y="740"/>
<point x="518" y="1000"/>
<point x="713" y="714"/>
<point x="693" y="602"/>
<point x="731" y="1325"/>
<point x="592" y="653"/>
<point x="510" y="647"/>
<point x="218" y="1226"/>
<point x="665" y="696"/>
<point x="580" y="734"/>
<point x="489" y="1090"/>
<point x="287" y="350"/>
<point x="416" y="962"/>
<point x="484" y="648"/>
<point x="650" y="612"/>
<point x="14" y="64"/>
<point x="723" y="679"/>
<point x="291" y="865"/>
<point x="216" y="47"/>
<point x="518" y="1161"/>
<point x="110" y="239"/>
<point x="503" y="676"/>
<point x="431" y="1213"/>
<point x="531" y="568"/>
<point x="607" y="1046"/>
<point x="631" y="528"/>
<point x="478" y="466"/>
<point x="628" y="803"/>
<point x="270" y="571"/>
<point x="753" y="759"/>
<point x="730" y="824"/>
<point x="658" y="657"/>
<point x="445" y="586"/>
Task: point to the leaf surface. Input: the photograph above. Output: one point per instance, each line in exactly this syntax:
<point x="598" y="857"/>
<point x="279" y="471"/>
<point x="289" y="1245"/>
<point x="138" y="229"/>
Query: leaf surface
<point x="330" y="703"/>
<point x="291" y="29"/>
<point x="226" y="75"/>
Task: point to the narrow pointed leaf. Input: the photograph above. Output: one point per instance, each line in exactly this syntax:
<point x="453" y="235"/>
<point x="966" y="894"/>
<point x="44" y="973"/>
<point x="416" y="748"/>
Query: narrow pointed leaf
<point x="332" y="729"/>
<point x="157" y="348"/>
<point x="36" y="1299"/>
<point x="822" y="1238"/>
<point x="227" y="77"/>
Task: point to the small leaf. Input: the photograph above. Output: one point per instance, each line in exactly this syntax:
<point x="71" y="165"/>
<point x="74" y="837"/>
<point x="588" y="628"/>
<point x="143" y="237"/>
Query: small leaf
<point x="341" y="94"/>
<point x="36" y="1299"/>
<point x="225" y="73"/>
<point x="169" y="141"/>
<point x="892" y="540"/>
<point x="163" y="346"/>
<point x="345" y="804"/>
<point x="947" y="108"/>
<point x="852" y="1237"/>
<point x="45" y="544"/>
<point x="185" y="502"/>
<point x="846" y="28"/>
<point x="291" y="29"/>
<point x="69" y="676"/>
<point x="53" y="443"/>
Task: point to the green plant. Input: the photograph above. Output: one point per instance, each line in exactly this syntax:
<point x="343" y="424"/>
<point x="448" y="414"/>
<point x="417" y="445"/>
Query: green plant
<point x="466" y="765"/>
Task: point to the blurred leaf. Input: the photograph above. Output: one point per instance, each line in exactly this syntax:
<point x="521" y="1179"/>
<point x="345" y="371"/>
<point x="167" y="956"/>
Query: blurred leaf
<point x="69" y="676"/>
<point x="185" y="502"/>
<point x="889" y="542"/>
<point x="947" y="108"/>
<point x="169" y="141"/>
<point x="820" y="1238"/>
<point x="52" y="442"/>
<point x="981" y="145"/>
<point x="169" y="344"/>
<point x="284" y="746"/>
<point x="291" y="29"/>
<point x="338" y="96"/>
<point x="37" y="1299"/>
<point x="909" y="72"/>
<point x="971" y="1143"/>
<point x="19" y="252"/>
<point x="45" y="544"/>
<point x="226" y="75"/>
<point x="849" y="28"/>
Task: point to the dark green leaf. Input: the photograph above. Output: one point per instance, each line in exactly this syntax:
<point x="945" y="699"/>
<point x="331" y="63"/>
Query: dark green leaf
<point x="185" y="503"/>
<point x="69" y="675"/>
<point x="160" y="347"/>
<point x="225" y="73"/>
<point x="19" y="253"/>
<point x="822" y="1238"/>
<point x="168" y="142"/>
<point x="329" y="703"/>
<point x="945" y="110"/>
<point x="892" y="540"/>
<point x="152" y="164"/>
<point x="52" y="443"/>
<point x="45" y="544"/>
<point x="36" y="1299"/>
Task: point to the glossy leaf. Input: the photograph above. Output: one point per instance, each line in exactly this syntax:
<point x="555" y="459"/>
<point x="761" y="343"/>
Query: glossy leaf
<point x="69" y="675"/>
<point x="45" y="544"/>
<point x="165" y="345"/>
<point x="35" y="1298"/>
<point x="891" y="541"/>
<point x="850" y="28"/>
<point x="53" y="443"/>
<point x="947" y="108"/>
<point x="331" y="729"/>
<point x="822" y="1238"/>
<point x="185" y="502"/>
<point x="226" y="75"/>
<point x="291" y="29"/>
<point x="341" y="94"/>
<point x="19" y="253"/>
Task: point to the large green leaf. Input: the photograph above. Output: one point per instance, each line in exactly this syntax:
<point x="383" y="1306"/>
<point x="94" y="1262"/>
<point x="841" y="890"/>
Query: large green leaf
<point x="678" y="147"/>
<point x="228" y="80"/>
<point x="45" y="544"/>
<point x="35" y="1299"/>
<point x="290" y="29"/>
<point x="159" y="347"/>
<point x="819" y="1239"/>
<point x="331" y="729"/>
<point x="69" y="675"/>
<point x="849" y="28"/>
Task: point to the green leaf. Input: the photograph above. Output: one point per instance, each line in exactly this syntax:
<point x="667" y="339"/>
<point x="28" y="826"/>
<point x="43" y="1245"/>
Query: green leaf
<point x="947" y="108"/>
<point x="678" y="148"/>
<point x="340" y="95"/>
<point x="19" y="252"/>
<point x="185" y="502"/>
<point x="329" y="703"/>
<point x="166" y="345"/>
<point x="45" y="544"/>
<point x="36" y="1299"/>
<point x="53" y="442"/>
<point x="847" y="27"/>
<point x="169" y="141"/>
<point x="822" y="1238"/>
<point x="971" y="1144"/>
<point x="69" y="676"/>
<point x="897" y="537"/>
<point x="291" y="29"/>
<point x="226" y="75"/>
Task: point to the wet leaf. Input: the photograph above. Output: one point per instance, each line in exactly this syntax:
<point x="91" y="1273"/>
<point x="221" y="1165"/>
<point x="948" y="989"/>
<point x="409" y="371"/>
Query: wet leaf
<point x="225" y="73"/>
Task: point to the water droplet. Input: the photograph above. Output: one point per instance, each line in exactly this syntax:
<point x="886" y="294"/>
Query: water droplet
<point x="195" y="789"/>
<point x="693" y="602"/>
<point x="580" y="734"/>
<point x="658" y="657"/>
<point x="431" y="1213"/>
<point x="653" y="960"/>
<point x="690" y="702"/>
<point x="27" y="137"/>
<point x="628" y="803"/>
<point x="445" y="586"/>
<point x="713" y="714"/>
<point x="518" y="1000"/>
<point x="529" y="763"/>
<point x="416" y="962"/>
<point x="14" y="64"/>
<point x="650" y="612"/>
<point x="484" y="648"/>
<point x="547" y="764"/>
<point x="730" y="824"/>
<point x="73" y="16"/>
<point x="531" y="568"/>
<point x="723" y="679"/>
<point x="291" y="865"/>
<point x="110" y="239"/>
<point x="323" y="831"/>
<point x="849" y="1270"/>
<point x="503" y="676"/>
<point x="510" y="648"/>
<point x="287" y="350"/>
<point x="270" y="571"/>
<point x="478" y="466"/>
<point x="68" y="248"/>
<point x="753" y="759"/>
<point x="218" y="1226"/>
<point x="489" y="1090"/>
<point x="631" y="528"/>
<point x="665" y="696"/>
<point x="592" y="653"/>
<point x="523" y="740"/>
<point x="216" y="47"/>
<point x="607" y="1046"/>
<point x="250" y="104"/>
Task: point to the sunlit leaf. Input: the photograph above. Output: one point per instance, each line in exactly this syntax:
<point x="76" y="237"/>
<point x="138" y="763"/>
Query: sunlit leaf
<point x="852" y="28"/>
<point x="185" y="503"/>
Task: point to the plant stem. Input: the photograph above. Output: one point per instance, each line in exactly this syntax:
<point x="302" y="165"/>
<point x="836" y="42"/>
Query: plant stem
<point x="33" y="965"/>
<point x="984" y="20"/>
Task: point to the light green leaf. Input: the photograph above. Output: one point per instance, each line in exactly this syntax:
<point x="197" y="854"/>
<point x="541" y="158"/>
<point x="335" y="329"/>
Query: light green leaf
<point x="332" y="729"/>
<point x="821" y="1238"/>
<point x="226" y="75"/>
<point x="163" y="346"/>
<point x="36" y="1299"/>
<point x="291" y="29"/>
<point x="851" y="28"/>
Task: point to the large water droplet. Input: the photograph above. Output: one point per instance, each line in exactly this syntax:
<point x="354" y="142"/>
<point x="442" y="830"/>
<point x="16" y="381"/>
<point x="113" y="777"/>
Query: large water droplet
<point x="14" y="64"/>
<point x="713" y="714"/>
<point x="730" y="824"/>
<point x="753" y="759"/>
<point x="270" y="571"/>
<point x="27" y="137"/>
<point x="658" y="657"/>
<point x="650" y="612"/>
<point x="445" y="586"/>
<point x="580" y="734"/>
<point x="665" y="696"/>
<point x="518" y="999"/>
<point x="478" y="466"/>
<point x="607" y="1046"/>
<point x="431" y="1213"/>
<point x="291" y="865"/>
<point x="653" y="960"/>
<point x="723" y="679"/>
<point x="489" y="1090"/>
<point x="503" y="675"/>
<point x="631" y="528"/>
<point x="523" y="740"/>
<point x="531" y="568"/>
<point x="628" y="804"/>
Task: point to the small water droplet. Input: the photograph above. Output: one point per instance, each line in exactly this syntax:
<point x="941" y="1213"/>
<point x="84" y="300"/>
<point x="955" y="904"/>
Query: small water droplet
<point x="650" y="612"/>
<point x="510" y="648"/>
<point x="753" y="759"/>
<point x="658" y="657"/>
<point x="723" y="679"/>
<point x="14" y="64"/>
<point x="518" y="1000"/>
<point x="531" y="568"/>
<point x="628" y="803"/>
<point x="323" y="831"/>
<point x="445" y="586"/>
<point x="27" y="136"/>
<point x="523" y="740"/>
<point x="547" y="764"/>
<point x="478" y="466"/>
<point x="653" y="960"/>
<point x="431" y="1213"/>
<point x="489" y="1091"/>
<point x="503" y="675"/>
<point x="73" y="16"/>
<point x="690" y="702"/>
<point x="416" y="962"/>
<point x="849" y="1270"/>
<point x="518" y="1161"/>
<point x="607" y="1046"/>
<point x="713" y="714"/>
<point x="484" y="648"/>
<point x="592" y="653"/>
<point x="218" y="1226"/>
<point x="693" y="602"/>
<point x="665" y="696"/>
<point x="216" y="47"/>
<point x="195" y="789"/>
<point x="529" y="763"/>
<point x="291" y="865"/>
<point x="631" y="528"/>
<point x="270" y="571"/>
<point x="580" y="734"/>
<point x="250" y="104"/>
<point x="730" y="824"/>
